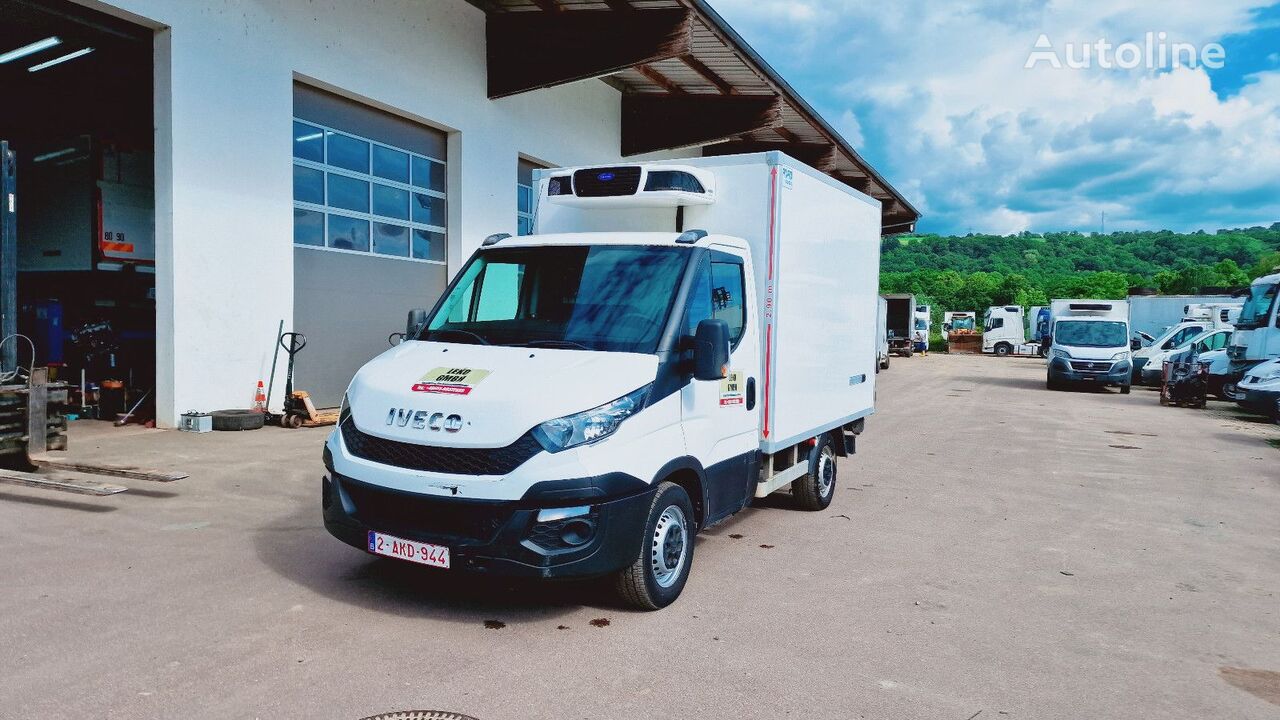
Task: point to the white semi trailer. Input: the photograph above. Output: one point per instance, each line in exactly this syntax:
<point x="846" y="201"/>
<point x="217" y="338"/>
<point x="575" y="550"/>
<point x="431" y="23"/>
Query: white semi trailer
<point x="583" y="400"/>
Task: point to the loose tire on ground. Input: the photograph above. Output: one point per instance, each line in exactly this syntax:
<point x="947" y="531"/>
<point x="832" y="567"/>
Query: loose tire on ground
<point x="659" y="573"/>
<point x="814" y="489"/>
<point x="237" y="419"/>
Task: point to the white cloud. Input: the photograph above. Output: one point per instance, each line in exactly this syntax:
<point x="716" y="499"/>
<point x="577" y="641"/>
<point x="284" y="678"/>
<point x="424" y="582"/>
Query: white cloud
<point x="976" y="140"/>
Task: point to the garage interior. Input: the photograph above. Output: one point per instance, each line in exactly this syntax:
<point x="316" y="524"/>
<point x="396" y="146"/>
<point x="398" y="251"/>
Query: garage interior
<point x="77" y="92"/>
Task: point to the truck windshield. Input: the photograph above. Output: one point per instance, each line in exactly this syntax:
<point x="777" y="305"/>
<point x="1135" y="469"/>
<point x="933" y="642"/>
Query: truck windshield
<point x="1091" y="333"/>
<point x="605" y="297"/>
<point x="1257" y="308"/>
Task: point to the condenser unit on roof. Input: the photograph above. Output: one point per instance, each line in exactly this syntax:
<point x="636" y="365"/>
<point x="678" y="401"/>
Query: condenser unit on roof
<point x="632" y="186"/>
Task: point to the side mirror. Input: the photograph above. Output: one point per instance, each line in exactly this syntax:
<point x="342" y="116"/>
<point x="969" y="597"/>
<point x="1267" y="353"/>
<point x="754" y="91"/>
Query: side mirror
<point x="417" y="318"/>
<point x="1135" y="344"/>
<point x="711" y="350"/>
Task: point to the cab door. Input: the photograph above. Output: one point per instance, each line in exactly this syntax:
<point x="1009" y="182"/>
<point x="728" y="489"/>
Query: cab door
<point x="720" y="417"/>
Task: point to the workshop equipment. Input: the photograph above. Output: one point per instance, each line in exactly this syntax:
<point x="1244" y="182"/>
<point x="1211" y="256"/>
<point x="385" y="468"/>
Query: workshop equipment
<point x="298" y="408"/>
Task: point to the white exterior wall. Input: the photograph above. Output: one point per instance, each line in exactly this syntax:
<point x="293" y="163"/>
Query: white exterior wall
<point x="224" y="185"/>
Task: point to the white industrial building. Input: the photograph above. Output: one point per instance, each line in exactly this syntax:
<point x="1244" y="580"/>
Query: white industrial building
<point x="191" y="174"/>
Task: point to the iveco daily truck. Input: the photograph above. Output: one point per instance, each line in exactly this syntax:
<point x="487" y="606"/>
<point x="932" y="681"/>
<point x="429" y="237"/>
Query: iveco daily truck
<point x="673" y="341"/>
<point x="1089" y="342"/>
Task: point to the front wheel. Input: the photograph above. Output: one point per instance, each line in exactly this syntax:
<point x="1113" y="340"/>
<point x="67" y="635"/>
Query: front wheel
<point x="658" y="575"/>
<point x="1124" y="389"/>
<point x="1003" y="350"/>
<point x="814" y="489"/>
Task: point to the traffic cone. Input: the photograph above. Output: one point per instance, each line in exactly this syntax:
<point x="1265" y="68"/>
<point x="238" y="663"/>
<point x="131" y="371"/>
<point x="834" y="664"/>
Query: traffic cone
<point x="260" y="399"/>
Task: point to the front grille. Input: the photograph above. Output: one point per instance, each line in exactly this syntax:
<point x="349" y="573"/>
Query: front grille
<point x="1090" y="366"/>
<point x="433" y="458"/>
<point x="607" y="182"/>
<point x="409" y="513"/>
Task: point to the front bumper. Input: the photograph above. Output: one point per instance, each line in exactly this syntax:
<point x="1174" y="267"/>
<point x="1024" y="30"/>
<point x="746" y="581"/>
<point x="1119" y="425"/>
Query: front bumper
<point x="1261" y="402"/>
<point x="1138" y="364"/>
<point x="1108" y="373"/>
<point x="494" y="537"/>
<point x="1153" y="375"/>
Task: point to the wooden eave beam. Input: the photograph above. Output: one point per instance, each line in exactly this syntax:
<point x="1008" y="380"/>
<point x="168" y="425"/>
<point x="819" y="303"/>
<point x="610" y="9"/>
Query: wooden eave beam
<point x="533" y="50"/>
<point x="708" y="74"/>
<point x="818" y="155"/>
<point x="665" y="122"/>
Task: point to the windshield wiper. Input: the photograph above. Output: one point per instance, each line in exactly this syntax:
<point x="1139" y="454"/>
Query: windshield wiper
<point x="567" y="344"/>
<point x="456" y="331"/>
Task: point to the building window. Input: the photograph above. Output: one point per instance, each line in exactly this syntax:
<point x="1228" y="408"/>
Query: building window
<point x="356" y="194"/>
<point x="525" y="197"/>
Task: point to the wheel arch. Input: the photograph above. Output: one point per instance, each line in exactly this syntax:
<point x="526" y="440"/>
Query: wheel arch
<point x="689" y="474"/>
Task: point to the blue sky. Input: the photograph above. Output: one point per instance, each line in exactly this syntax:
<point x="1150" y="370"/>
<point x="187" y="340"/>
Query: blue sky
<point x="938" y="97"/>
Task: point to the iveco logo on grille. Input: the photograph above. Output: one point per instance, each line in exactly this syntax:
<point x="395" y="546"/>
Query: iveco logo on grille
<point x="424" y="420"/>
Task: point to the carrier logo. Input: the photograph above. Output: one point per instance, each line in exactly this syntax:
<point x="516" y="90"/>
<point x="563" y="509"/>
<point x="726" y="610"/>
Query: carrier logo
<point x="424" y="420"/>
<point x="450" y="381"/>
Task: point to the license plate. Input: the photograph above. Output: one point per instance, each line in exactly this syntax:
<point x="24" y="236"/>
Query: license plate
<point x="413" y="551"/>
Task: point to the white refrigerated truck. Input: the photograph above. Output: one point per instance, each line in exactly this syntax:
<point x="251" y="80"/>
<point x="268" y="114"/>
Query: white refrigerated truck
<point x="1089" y="342"/>
<point x="583" y="400"/>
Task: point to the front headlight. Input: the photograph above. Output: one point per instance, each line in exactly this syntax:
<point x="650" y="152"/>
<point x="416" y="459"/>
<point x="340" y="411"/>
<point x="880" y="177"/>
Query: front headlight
<point x="590" y="425"/>
<point x="1060" y="353"/>
<point x="345" y="411"/>
<point x="1123" y="355"/>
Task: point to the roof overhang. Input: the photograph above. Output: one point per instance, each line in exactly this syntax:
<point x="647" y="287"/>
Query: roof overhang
<point x="688" y="80"/>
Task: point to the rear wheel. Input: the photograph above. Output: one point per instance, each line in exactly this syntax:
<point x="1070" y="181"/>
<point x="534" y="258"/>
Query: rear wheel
<point x="814" y="489"/>
<point x="656" y="578"/>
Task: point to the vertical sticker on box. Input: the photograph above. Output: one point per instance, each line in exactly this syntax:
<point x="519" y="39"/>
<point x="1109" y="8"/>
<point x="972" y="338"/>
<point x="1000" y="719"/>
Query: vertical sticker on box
<point x="788" y="177"/>
<point x="731" y="391"/>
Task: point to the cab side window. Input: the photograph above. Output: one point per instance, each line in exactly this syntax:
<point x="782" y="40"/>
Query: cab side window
<point x="727" y="303"/>
<point x="698" y="307"/>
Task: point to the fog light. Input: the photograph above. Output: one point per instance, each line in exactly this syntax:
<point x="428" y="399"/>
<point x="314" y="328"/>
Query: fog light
<point x="577" y="532"/>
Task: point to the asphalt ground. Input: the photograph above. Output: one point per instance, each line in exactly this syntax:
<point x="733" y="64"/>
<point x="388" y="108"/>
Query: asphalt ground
<point x="994" y="550"/>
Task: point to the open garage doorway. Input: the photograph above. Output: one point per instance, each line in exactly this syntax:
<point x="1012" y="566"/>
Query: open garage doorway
<point x="76" y="88"/>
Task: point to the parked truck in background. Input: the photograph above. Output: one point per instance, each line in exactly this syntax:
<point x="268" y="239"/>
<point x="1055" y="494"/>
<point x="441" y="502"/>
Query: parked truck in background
<point x="923" y="325"/>
<point x="1004" y="332"/>
<point x="1197" y="318"/>
<point x="1089" y="342"/>
<point x="1037" y="323"/>
<point x="583" y="400"/>
<point x="900" y="323"/>
<point x="1153" y="315"/>
<point x="1257" y="336"/>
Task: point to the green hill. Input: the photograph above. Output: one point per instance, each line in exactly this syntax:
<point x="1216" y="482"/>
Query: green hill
<point x="974" y="272"/>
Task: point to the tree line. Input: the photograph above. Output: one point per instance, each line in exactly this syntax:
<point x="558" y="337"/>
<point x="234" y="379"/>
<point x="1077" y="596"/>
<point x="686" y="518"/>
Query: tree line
<point x="974" y="272"/>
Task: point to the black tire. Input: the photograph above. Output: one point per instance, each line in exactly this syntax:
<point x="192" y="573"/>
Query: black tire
<point x="884" y="365"/>
<point x="814" y="489"/>
<point x="640" y="585"/>
<point x="1052" y="384"/>
<point x="1124" y="389"/>
<point x="1004" y="349"/>
<point x="237" y="419"/>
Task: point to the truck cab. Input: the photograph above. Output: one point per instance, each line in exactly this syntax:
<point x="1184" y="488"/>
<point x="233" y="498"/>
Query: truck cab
<point x="1257" y="336"/>
<point x="583" y="400"/>
<point x="1089" y="343"/>
<point x="1003" y="330"/>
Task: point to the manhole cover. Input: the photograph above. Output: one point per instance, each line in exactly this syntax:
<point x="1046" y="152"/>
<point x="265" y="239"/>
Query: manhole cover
<point x="420" y="715"/>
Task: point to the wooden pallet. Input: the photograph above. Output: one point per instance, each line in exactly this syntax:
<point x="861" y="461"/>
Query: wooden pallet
<point x="124" y="471"/>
